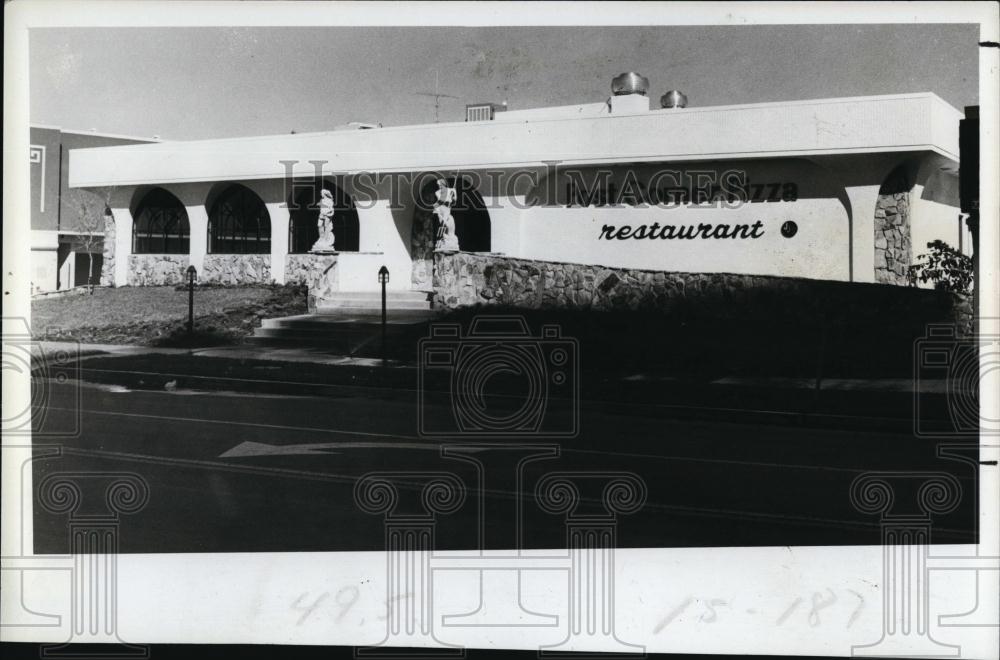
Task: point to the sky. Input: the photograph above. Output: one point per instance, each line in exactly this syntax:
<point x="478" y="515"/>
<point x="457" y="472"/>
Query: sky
<point x="195" y="83"/>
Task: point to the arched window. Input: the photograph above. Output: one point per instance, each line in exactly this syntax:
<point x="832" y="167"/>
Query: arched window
<point x="238" y="223"/>
<point x="472" y="219"/>
<point x="304" y="212"/>
<point x="161" y="225"/>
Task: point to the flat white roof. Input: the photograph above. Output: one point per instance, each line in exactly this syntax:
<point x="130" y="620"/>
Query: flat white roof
<point x="96" y="133"/>
<point x="900" y="122"/>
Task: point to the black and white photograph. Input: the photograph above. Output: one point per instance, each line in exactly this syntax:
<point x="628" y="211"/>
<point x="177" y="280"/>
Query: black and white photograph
<point x="501" y="329"/>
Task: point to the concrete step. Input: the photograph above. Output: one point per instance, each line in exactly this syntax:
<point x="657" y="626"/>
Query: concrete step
<point x="421" y="296"/>
<point x="336" y="322"/>
<point x="346" y="331"/>
<point x="355" y="309"/>
<point x="362" y="301"/>
<point x="313" y="332"/>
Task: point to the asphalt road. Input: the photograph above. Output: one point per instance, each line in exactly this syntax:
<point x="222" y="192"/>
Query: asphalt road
<point x="250" y="472"/>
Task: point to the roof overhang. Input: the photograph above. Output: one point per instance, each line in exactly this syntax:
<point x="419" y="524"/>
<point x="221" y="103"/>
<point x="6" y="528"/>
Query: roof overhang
<point x="874" y="124"/>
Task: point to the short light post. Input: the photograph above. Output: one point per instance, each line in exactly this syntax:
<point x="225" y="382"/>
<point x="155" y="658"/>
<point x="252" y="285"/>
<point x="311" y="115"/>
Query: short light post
<point x="192" y="275"/>
<point x="383" y="279"/>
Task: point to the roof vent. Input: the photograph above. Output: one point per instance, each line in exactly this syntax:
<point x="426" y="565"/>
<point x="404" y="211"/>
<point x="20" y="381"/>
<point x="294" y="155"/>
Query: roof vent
<point x="629" y="83"/>
<point x="483" y="111"/>
<point x="673" y="99"/>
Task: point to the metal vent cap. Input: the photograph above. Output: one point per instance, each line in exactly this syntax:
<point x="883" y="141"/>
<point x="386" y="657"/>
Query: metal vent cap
<point x="629" y="83"/>
<point x="673" y="99"/>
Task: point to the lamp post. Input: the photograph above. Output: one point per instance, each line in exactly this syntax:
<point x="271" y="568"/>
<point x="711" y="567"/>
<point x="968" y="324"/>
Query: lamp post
<point x="192" y="274"/>
<point x="383" y="278"/>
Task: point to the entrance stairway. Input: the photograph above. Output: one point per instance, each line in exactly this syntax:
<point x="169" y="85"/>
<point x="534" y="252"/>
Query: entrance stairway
<point x="351" y="325"/>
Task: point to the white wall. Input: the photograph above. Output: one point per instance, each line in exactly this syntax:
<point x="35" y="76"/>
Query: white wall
<point x="819" y="249"/>
<point x="505" y="224"/>
<point x="930" y="221"/>
<point x="44" y="260"/>
<point x="382" y="243"/>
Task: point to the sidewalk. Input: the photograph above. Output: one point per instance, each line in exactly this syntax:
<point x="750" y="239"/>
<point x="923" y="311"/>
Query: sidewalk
<point x="242" y="352"/>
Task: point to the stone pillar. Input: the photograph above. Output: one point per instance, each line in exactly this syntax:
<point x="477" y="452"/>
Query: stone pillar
<point x="422" y="249"/>
<point x="108" y="263"/>
<point x="198" y="221"/>
<point x="893" y="252"/>
<point x="279" y="240"/>
<point x="123" y="244"/>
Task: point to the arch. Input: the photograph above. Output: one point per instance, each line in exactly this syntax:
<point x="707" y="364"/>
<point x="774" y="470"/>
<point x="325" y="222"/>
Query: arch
<point x="160" y="224"/>
<point x="472" y="219"/>
<point x="238" y="223"/>
<point x="303" y="212"/>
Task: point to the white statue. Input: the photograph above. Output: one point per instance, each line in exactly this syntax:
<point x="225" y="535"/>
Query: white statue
<point x="447" y="241"/>
<point x="324" y="223"/>
<point x="445" y="194"/>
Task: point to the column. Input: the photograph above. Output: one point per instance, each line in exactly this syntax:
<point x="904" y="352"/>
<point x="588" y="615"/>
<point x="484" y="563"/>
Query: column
<point x="123" y="244"/>
<point x="863" y="200"/>
<point x="198" y="220"/>
<point x="279" y="240"/>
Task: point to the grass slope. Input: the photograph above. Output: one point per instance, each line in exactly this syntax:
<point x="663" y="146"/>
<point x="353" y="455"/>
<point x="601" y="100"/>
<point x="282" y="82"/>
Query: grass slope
<point x="157" y="316"/>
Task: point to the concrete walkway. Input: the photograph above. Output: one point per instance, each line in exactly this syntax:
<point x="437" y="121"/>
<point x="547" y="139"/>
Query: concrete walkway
<point x="241" y="352"/>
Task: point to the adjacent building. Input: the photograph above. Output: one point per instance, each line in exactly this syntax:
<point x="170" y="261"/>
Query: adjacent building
<point x="67" y="225"/>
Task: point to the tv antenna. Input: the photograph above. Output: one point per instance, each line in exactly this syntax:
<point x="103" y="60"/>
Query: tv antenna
<point x="437" y="97"/>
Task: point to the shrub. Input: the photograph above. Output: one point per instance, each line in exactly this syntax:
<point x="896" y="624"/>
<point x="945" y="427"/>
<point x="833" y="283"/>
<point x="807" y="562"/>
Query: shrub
<point x="945" y="267"/>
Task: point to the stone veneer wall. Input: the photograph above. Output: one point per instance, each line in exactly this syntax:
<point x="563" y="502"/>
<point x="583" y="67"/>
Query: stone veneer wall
<point x="298" y="267"/>
<point x="156" y="269"/>
<point x="893" y="251"/>
<point x="464" y="279"/>
<point x="108" y="264"/>
<point x="236" y="269"/>
<point x="322" y="279"/>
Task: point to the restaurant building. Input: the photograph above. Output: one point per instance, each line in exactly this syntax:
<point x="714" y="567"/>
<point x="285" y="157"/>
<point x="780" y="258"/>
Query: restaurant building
<point x="844" y="189"/>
